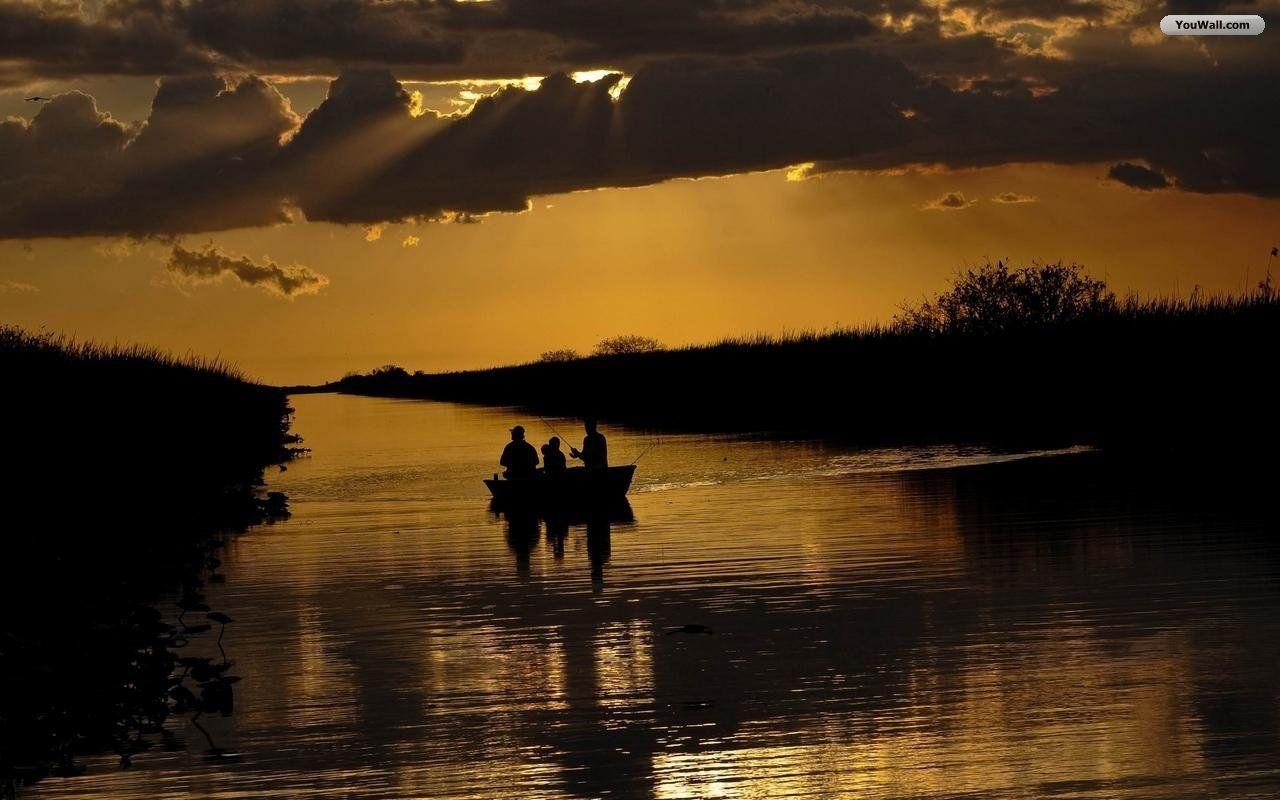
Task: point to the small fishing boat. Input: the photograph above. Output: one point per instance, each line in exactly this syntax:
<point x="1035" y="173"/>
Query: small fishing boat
<point x="576" y="486"/>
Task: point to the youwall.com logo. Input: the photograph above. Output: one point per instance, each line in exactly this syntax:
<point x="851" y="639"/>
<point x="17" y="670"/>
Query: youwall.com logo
<point x="1213" y="25"/>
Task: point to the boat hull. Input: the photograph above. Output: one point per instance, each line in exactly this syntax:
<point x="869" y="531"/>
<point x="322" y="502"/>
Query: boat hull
<point x="576" y="487"/>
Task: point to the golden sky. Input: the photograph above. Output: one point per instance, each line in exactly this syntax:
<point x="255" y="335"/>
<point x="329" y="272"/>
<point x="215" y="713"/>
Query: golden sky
<point x="685" y="261"/>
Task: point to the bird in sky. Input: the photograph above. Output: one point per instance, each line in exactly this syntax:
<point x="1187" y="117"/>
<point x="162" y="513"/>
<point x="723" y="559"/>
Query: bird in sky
<point x="38" y="99"/>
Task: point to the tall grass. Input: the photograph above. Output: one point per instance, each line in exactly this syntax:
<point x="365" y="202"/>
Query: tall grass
<point x="1145" y="373"/>
<point x="16" y="341"/>
<point x="123" y="464"/>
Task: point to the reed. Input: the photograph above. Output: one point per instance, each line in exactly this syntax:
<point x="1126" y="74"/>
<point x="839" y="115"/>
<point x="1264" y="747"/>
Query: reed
<point x="125" y="467"/>
<point x="1044" y="355"/>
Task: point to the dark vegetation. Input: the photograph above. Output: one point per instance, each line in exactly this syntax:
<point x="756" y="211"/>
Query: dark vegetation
<point x="125" y="468"/>
<point x="1039" y="356"/>
<point x="625" y="344"/>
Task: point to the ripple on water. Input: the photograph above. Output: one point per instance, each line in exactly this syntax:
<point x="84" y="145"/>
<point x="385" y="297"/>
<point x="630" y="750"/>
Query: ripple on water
<point x="927" y="623"/>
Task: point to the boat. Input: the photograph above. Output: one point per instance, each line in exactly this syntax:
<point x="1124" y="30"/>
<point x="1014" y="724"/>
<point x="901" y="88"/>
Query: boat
<point x="577" y="486"/>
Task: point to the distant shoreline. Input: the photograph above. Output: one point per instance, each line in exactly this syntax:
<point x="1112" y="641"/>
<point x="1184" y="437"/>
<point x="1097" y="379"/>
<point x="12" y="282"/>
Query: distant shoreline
<point x="1161" y="377"/>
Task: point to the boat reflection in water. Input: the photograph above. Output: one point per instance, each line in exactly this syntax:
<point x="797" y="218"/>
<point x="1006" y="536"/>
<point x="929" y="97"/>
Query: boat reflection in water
<point x="524" y="526"/>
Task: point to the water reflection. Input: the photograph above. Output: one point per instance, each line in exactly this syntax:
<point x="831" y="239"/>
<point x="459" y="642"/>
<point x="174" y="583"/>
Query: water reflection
<point x="1037" y="629"/>
<point x="524" y="526"/>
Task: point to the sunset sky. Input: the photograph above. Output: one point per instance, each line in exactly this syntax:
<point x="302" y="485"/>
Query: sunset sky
<point x="308" y="188"/>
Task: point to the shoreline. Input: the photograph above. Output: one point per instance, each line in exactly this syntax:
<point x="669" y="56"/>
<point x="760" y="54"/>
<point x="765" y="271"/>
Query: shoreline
<point x="132" y="469"/>
<point x="1199" y="387"/>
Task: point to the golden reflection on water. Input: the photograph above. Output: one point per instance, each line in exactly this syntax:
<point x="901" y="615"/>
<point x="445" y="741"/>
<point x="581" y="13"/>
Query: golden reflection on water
<point x="880" y="630"/>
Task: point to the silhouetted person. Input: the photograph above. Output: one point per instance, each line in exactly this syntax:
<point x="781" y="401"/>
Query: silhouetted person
<point x="553" y="460"/>
<point x="519" y="457"/>
<point x="595" y="450"/>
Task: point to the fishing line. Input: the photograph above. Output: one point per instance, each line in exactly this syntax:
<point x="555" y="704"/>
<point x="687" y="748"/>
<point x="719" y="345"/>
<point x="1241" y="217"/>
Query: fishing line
<point x="643" y="452"/>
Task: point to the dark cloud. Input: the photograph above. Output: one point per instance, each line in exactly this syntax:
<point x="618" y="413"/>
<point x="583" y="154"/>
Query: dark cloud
<point x="211" y="263"/>
<point x="951" y="201"/>
<point x="1209" y="132"/>
<point x="218" y="153"/>
<point x="674" y="119"/>
<point x="1036" y="9"/>
<point x="48" y="38"/>
<point x="615" y="30"/>
<point x="1138" y="176"/>
<point x="420" y="38"/>
<point x="204" y="160"/>
<point x="53" y="168"/>
<point x="321" y="32"/>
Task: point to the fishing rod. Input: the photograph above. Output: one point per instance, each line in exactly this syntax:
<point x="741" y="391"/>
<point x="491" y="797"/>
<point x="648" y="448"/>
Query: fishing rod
<point x="559" y="435"/>
<point x="645" y="451"/>
<point x="553" y="429"/>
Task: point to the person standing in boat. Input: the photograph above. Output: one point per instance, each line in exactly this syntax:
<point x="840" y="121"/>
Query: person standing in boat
<point x="595" y="450"/>
<point x="553" y="460"/>
<point x="519" y="457"/>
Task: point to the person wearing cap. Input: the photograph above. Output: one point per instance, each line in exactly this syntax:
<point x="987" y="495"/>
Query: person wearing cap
<point x="595" y="450"/>
<point x="519" y="457"/>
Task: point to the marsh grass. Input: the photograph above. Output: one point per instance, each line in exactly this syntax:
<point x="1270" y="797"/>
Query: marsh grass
<point x="124" y="468"/>
<point x="16" y="341"/>
<point x="1039" y="356"/>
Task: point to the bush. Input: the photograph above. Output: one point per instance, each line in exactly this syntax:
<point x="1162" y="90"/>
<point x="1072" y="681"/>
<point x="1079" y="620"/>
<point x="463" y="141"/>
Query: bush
<point x="390" y="371"/>
<point x="558" y="356"/>
<point x="627" y="344"/>
<point x="994" y="298"/>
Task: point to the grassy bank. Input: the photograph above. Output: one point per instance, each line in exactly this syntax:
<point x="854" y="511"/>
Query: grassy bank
<point x="125" y="468"/>
<point x="1040" y="356"/>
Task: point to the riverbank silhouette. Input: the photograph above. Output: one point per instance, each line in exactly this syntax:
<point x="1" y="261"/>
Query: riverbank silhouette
<point x="126" y="469"/>
<point x="1044" y="356"/>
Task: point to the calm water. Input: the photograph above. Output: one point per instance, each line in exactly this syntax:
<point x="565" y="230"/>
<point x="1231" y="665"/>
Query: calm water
<point x="894" y="624"/>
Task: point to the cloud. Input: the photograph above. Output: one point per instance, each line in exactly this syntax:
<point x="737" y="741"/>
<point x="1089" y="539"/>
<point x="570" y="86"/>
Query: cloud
<point x="18" y="287"/>
<point x="1138" y="177"/>
<point x="321" y="33"/>
<point x="410" y="241"/>
<point x="204" y="160"/>
<point x="226" y="152"/>
<point x="951" y="201"/>
<point x="1014" y="198"/>
<point x="609" y="30"/>
<point x="211" y="263"/>
<point x="684" y="118"/>
<point x="53" y="38"/>
<point x="424" y="38"/>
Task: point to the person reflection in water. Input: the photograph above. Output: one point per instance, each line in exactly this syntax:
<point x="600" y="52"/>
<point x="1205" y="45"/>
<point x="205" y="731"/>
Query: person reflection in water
<point x="523" y="532"/>
<point x="599" y="546"/>
<point x="519" y="457"/>
<point x="595" y="450"/>
<point x="557" y="532"/>
<point x="553" y="460"/>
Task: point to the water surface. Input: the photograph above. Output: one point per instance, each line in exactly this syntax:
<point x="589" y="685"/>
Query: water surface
<point x="921" y="623"/>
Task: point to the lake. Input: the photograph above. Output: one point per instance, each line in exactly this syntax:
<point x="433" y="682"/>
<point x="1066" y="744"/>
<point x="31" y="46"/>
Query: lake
<point x="913" y="623"/>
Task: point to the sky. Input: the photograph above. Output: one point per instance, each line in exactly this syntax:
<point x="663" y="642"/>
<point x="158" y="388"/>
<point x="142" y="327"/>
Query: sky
<point x="311" y="187"/>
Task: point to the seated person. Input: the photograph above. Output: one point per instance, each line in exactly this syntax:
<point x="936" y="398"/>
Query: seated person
<point x="519" y="457"/>
<point x="553" y="460"/>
